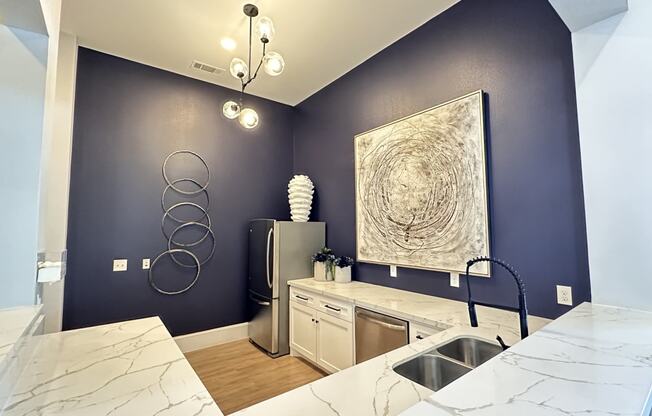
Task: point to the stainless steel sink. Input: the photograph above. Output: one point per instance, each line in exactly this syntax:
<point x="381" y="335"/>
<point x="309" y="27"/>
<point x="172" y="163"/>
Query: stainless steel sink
<point x="440" y="366"/>
<point x="470" y="351"/>
<point x="431" y="371"/>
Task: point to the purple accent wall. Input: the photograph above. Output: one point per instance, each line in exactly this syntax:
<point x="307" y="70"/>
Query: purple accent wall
<point x="128" y="118"/>
<point x="519" y="53"/>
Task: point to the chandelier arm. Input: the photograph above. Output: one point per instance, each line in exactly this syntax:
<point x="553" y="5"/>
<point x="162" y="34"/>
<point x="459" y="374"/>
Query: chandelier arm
<point x="258" y="68"/>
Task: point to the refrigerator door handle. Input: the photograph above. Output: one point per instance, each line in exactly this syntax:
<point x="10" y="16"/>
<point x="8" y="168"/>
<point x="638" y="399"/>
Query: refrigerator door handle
<point x="260" y="302"/>
<point x="269" y="239"/>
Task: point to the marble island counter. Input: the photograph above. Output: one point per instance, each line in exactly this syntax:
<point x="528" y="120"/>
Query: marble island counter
<point x="14" y="324"/>
<point x="594" y="360"/>
<point x="127" y="368"/>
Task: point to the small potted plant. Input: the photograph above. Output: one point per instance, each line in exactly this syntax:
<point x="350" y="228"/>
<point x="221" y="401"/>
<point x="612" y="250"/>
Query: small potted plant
<point x="322" y="262"/>
<point x="343" y="269"/>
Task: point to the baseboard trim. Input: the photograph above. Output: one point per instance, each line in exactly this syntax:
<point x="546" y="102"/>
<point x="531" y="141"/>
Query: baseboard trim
<point x="211" y="337"/>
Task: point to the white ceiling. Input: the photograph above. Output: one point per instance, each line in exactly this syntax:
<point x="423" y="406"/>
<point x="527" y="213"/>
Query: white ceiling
<point x="23" y="14"/>
<point x="320" y="39"/>
<point x="578" y="14"/>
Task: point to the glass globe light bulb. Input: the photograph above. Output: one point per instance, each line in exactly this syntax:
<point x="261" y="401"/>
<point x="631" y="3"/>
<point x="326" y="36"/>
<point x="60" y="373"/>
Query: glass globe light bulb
<point x="231" y="109"/>
<point x="265" y="28"/>
<point x="248" y="118"/>
<point x="273" y="63"/>
<point x="238" y="68"/>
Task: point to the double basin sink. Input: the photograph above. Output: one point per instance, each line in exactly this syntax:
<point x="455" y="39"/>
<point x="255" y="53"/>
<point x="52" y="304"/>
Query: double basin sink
<point x="440" y="366"/>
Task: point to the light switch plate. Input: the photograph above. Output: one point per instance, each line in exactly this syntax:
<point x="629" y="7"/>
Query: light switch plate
<point x="392" y="271"/>
<point x="145" y="264"/>
<point x="565" y="295"/>
<point x="119" y="265"/>
<point x="455" y="279"/>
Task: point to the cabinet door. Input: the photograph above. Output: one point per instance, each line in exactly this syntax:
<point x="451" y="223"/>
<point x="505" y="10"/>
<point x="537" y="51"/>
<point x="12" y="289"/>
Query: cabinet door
<point x="334" y="343"/>
<point x="303" y="330"/>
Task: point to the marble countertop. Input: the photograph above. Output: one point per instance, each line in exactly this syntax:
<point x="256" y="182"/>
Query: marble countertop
<point x="595" y="360"/>
<point x="14" y="323"/>
<point x="127" y="368"/>
<point x="372" y="387"/>
<point x="430" y="310"/>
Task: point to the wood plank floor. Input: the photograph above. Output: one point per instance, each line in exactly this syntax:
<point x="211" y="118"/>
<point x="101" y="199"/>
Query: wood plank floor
<point x="239" y="375"/>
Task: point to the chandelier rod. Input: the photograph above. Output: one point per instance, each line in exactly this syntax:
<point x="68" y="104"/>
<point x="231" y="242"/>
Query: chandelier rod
<point x="250" y="78"/>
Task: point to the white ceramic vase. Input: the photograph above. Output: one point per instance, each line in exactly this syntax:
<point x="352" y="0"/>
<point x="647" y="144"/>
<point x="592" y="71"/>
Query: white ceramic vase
<point x="342" y="274"/>
<point x="320" y="271"/>
<point x="300" y="192"/>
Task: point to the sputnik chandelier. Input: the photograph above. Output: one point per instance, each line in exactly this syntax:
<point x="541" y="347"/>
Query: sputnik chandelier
<point x="272" y="63"/>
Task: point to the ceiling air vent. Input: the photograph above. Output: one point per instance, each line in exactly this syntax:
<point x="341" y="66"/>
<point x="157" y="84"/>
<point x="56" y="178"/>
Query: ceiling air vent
<point x="209" y="69"/>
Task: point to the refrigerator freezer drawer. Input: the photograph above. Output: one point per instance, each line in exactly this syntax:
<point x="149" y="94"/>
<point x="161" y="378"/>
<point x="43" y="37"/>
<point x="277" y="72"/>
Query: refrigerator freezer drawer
<point x="263" y="324"/>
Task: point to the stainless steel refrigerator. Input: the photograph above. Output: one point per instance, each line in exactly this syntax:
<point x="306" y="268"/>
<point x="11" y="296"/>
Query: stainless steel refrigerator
<point x="278" y="251"/>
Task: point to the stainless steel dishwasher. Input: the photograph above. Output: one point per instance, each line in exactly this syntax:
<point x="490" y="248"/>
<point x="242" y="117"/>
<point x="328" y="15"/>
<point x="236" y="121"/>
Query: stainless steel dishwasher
<point x="376" y="334"/>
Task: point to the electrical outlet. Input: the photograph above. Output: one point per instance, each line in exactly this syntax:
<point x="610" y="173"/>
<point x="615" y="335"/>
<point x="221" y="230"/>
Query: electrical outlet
<point x="392" y="271"/>
<point x="145" y="264"/>
<point x="455" y="279"/>
<point x="119" y="265"/>
<point x="565" y="295"/>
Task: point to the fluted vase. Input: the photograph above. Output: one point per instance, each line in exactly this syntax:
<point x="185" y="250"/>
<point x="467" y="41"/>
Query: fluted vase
<point x="300" y="192"/>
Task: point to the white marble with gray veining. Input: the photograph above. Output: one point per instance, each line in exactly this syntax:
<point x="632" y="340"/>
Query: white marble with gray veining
<point x="595" y="360"/>
<point x="430" y="310"/>
<point x="15" y="323"/>
<point x="369" y="388"/>
<point x="128" y="368"/>
<point x="17" y="326"/>
<point x="372" y="387"/>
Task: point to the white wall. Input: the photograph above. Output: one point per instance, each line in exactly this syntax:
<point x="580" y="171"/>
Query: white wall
<point x="613" y="65"/>
<point x="22" y="89"/>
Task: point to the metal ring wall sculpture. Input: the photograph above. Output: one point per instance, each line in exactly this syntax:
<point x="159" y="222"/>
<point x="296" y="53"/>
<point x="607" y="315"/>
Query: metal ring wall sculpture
<point x="203" y="221"/>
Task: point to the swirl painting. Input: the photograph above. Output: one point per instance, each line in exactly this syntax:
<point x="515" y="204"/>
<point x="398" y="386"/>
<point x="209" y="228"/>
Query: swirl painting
<point x="421" y="194"/>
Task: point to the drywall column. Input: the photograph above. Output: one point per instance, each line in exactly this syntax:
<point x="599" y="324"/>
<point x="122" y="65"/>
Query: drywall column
<point x="22" y="89"/>
<point x="55" y="179"/>
<point x="614" y="97"/>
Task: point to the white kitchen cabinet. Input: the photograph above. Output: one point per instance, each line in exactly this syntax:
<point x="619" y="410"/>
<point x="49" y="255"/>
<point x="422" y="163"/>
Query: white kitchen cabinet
<point x="420" y="331"/>
<point x="321" y="330"/>
<point x="303" y="330"/>
<point x="334" y="343"/>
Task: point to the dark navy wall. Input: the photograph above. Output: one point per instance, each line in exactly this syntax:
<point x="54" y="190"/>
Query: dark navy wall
<point x="519" y="53"/>
<point x="128" y="118"/>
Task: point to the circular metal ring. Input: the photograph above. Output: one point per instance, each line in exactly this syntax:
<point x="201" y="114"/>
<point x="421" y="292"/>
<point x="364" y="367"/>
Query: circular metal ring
<point x="188" y="224"/>
<point x="189" y="152"/>
<point x="171" y="253"/>
<point x="208" y="199"/>
<point x="192" y="204"/>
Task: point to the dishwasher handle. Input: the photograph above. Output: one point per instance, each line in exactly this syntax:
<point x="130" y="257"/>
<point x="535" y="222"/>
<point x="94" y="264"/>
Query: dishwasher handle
<point x="362" y="314"/>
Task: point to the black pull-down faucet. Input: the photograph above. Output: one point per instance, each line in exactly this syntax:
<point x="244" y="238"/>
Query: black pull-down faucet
<point x="522" y="306"/>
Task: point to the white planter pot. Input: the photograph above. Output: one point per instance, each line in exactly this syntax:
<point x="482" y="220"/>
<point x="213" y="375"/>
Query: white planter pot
<point x="342" y="274"/>
<point x="319" y="271"/>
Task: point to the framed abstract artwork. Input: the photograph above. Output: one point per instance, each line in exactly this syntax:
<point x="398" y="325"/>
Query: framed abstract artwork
<point x="421" y="189"/>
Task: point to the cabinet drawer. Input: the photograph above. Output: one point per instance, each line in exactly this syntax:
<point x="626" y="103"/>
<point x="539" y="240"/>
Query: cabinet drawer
<point x="420" y="331"/>
<point x="303" y="297"/>
<point x="336" y="308"/>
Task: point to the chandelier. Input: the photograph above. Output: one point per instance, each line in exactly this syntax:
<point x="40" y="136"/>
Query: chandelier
<point x="272" y="63"/>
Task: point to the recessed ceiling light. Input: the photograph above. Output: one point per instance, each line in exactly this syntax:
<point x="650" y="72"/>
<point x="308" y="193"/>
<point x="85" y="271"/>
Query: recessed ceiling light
<point x="228" y="44"/>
